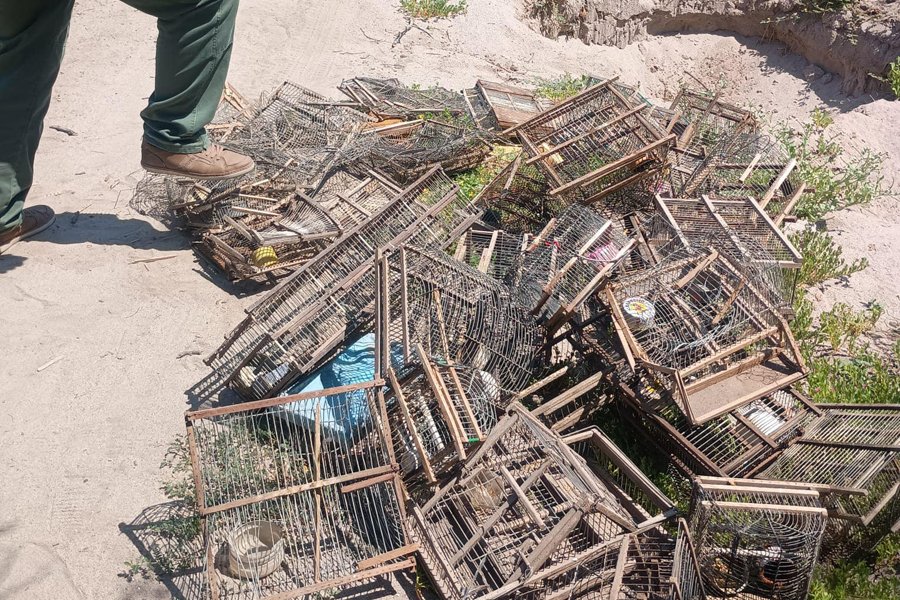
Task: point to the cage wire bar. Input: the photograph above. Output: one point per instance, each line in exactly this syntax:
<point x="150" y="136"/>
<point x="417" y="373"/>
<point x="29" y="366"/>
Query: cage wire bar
<point x="270" y="246"/>
<point x="491" y="251"/>
<point x="508" y="105"/>
<point x="753" y="164"/>
<point x="526" y="516"/>
<point x="430" y="212"/>
<point x="519" y="199"/>
<point x="292" y="499"/>
<point x="709" y="331"/>
<point x="458" y="315"/>
<point x="742" y="221"/>
<point x="756" y="539"/>
<point x="595" y="143"/>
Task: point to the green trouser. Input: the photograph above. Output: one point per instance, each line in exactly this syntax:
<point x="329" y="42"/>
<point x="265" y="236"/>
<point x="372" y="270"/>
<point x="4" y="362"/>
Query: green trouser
<point x="192" y="54"/>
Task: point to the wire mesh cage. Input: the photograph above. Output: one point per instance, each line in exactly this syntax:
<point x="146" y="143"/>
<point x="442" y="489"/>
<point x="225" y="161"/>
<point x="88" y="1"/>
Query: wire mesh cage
<point x="457" y="315"/>
<point x="518" y="199"/>
<point x="490" y="251"/>
<point x="526" y="515"/>
<point x="290" y="328"/>
<point x="735" y="444"/>
<point x="566" y="263"/>
<point x="756" y="539"/>
<point x="595" y="143"/>
<point x="711" y="123"/>
<point x="405" y="150"/>
<point x="297" y="495"/>
<point x="508" y="105"/>
<point x="389" y="98"/>
<point x="265" y="244"/>
<point x="740" y="221"/>
<point x="752" y="164"/>
<point x="851" y="453"/>
<point x="707" y="330"/>
<point x="232" y="113"/>
<point x="463" y="347"/>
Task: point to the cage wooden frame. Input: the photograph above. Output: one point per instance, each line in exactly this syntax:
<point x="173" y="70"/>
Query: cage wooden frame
<point x="580" y="131"/>
<point x="541" y="478"/>
<point x="707" y="371"/>
<point x="316" y="488"/>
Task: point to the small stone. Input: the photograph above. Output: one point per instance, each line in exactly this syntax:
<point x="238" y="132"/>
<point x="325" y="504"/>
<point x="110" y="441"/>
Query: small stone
<point x="811" y="72"/>
<point x="827" y="78"/>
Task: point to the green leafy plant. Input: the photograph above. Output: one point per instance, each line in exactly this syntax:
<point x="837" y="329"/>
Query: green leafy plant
<point x="562" y="87"/>
<point x="433" y="9"/>
<point x="835" y="180"/>
<point x="471" y="182"/>
<point x="873" y="577"/>
<point x="822" y="259"/>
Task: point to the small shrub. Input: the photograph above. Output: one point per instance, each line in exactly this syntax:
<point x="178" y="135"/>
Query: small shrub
<point x="842" y="326"/>
<point x="471" y="182"/>
<point x="893" y="77"/>
<point x="433" y="9"/>
<point x="562" y="87"/>
<point x="835" y="180"/>
<point x="825" y="6"/>
<point x="863" y="378"/>
<point x="822" y="259"/>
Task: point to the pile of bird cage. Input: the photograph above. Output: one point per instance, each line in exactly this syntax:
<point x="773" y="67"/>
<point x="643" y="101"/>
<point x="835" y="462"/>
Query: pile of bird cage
<point x="427" y="380"/>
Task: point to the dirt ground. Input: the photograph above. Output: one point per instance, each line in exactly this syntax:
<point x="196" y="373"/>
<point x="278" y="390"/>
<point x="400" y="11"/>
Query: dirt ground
<point x="82" y="438"/>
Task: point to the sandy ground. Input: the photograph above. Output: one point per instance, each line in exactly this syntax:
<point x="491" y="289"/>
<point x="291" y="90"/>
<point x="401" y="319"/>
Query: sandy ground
<point x="82" y="439"/>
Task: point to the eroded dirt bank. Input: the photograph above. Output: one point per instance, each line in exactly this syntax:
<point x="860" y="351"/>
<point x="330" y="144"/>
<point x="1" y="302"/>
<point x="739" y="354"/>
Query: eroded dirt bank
<point x="854" y="44"/>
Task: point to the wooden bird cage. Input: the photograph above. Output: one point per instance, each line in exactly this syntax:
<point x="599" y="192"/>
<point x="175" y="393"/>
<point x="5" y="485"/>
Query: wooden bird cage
<point x="756" y="539"/>
<point x="850" y="453"/>
<point x="390" y="99"/>
<point x="290" y="330"/>
<point x="518" y="199"/>
<point x="407" y="149"/>
<point x="491" y="251"/>
<point x="297" y="495"/>
<point x="509" y="105"/>
<point x="296" y="230"/>
<point x="707" y="330"/>
<point x="526" y="515"/>
<point x="748" y="233"/>
<point x="566" y="263"/>
<point x="459" y="317"/>
<point x="595" y="143"/>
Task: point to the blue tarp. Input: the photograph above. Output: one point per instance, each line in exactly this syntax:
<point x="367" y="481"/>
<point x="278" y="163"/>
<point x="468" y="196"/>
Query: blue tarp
<point x="342" y="415"/>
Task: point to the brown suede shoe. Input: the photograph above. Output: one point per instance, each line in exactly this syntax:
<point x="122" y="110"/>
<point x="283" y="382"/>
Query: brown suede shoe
<point x="35" y="219"/>
<point x="213" y="163"/>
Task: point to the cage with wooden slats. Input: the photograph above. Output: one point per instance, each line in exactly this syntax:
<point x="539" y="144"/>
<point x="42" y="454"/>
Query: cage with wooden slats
<point x="705" y="330"/>
<point x="518" y="199"/>
<point x="756" y="539"/>
<point x="507" y="105"/>
<point x="458" y="347"/>
<point x="711" y="122"/>
<point x="297" y="495"/>
<point x="754" y="164"/>
<point x="457" y="315"/>
<point x="566" y="263"/>
<point x="391" y="99"/>
<point x="850" y="453"/>
<point x="740" y="224"/>
<point x="407" y="149"/>
<point x="307" y="316"/>
<point x="595" y="143"/>
<point x="526" y="515"/>
<point x="273" y="244"/>
<point x="490" y="251"/>
<point x="233" y="111"/>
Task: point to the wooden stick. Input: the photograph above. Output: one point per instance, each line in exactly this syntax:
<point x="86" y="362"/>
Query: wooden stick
<point x="410" y="424"/>
<point x="700" y="266"/>
<point x="770" y="193"/>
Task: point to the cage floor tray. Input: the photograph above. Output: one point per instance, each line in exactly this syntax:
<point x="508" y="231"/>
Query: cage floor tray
<point x="729" y="393"/>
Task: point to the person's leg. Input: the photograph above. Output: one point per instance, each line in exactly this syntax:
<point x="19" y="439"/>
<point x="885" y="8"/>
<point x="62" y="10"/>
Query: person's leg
<point x="192" y="56"/>
<point x="32" y="38"/>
